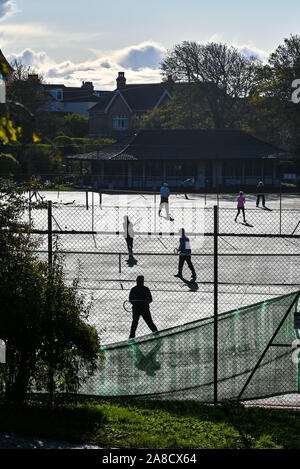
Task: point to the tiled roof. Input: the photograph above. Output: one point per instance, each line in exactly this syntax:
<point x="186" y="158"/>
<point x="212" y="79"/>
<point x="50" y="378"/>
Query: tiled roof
<point x="108" y="152"/>
<point x="102" y="102"/>
<point x="143" y="97"/>
<point x="186" y="144"/>
<point x="140" y="97"/>
<point x="75" y="94"/>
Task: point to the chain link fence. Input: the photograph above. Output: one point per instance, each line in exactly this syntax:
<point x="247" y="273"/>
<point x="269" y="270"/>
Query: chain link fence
<point x="215" y="333"/>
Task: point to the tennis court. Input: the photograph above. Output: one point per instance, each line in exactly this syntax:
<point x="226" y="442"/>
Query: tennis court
<point x="254" y="262"/>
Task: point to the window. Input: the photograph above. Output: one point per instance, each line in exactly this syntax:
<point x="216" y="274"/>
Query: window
<point x="232" y="169"/>
<point x="268" y="167"/>
<point x="173" y="169"/>
<point x="59" y="95"/>
<point x="289" y="176"/>
<point x="253" y="168"/>
<point x="154" y="169"/>
<point x="120" y="122"/>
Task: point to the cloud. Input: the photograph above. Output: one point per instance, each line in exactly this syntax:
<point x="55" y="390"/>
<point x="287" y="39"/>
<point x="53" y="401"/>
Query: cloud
<point x="148" y="54"/>
<point x="249" y="50"/>
<point x="7" y="8"/>
<point x="105" y="65"/>
<point x="140" y="63"/>
<point x="10" y="33"/>
<point x="252" y="51"/>
<point x="30" y="58"/>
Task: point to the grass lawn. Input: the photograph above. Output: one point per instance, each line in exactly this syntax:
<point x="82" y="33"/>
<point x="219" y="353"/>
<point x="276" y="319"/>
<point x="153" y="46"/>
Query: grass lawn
<point x="134" y="423"/>
<point x="61" y="188"/>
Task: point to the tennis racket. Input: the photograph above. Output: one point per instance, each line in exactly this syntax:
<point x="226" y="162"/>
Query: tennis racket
<point x="176" y="250"/>
<point x="128" y="306"/>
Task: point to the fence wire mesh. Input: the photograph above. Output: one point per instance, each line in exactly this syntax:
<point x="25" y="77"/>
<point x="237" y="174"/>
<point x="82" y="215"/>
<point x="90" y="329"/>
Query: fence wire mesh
<point x="178" y="363"/>
<point x="257" y="263"/>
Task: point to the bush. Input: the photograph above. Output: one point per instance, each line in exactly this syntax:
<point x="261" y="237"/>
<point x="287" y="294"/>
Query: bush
<point x="70" y="146"/>
<point x="8" y="164"/>
<point x="40" y="158"/>
<point x="48" y="343"/>
<point x="76" y="125"/>
<point x="65" y="145"/>
<point x="63" y="140"/>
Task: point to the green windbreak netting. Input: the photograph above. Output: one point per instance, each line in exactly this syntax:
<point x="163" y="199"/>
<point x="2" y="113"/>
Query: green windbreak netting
<point x="179" y="362"/>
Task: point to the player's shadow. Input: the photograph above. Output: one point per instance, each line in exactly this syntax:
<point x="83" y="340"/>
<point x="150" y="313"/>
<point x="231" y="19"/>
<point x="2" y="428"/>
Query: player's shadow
<point x="69" y="203"/>
<point x="267" y="209"/>
<point x="193" y="286"/>
<point x="131" y="262"/>
<point x="246" y="224"/>
<point x="146" y="362"/>
<point x="166" y="218"/>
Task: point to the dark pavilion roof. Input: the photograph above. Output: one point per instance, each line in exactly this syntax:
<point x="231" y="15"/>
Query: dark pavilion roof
<point x="139" y="97"/>
<point x="107" y="152"/>
<point x="156" y="144"/>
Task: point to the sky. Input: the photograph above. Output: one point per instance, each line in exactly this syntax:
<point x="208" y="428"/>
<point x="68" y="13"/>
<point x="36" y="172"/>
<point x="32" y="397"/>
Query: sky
<point x="70" y="41"/>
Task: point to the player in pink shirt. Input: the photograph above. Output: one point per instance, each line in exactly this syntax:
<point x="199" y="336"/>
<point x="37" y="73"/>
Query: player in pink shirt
<point x="241" y="206"/>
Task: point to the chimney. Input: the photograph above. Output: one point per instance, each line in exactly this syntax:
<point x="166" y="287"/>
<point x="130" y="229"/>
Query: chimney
<point x="33" y="76"/>
<point x="169" y="83"/>
<point x="121" y="80"/>
<point x="87" y="85"/>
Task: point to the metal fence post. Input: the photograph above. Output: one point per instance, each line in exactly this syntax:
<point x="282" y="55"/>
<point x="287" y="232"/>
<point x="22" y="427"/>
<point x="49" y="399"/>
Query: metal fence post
<point x="50" y="257"/>
<point x="216" y="233"/>
<point x="87" y="199"/>
<point x="155" y="212"/>
<point x="280" y="210"/>
<point x="50" y="247"/>
<point x="93" y="211"/>
<point x="29" y="207"/>
<point x="120" y="264"/>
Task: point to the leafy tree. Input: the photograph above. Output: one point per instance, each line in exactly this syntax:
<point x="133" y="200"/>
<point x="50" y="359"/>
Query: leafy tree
<point x="49" y="345"/>
<point x="49" y="125"/>
<point x="284" y="68"/>
<point x="272" y="114"/>
<point x="75" y="125"/>
<point x="188" y="109"/>
<point x="25" y="102"/>
<point x="25" y="87"/>
<point x="229" y="76"/>
<point x="23" y="98"/>
<point x="40" y="158"/>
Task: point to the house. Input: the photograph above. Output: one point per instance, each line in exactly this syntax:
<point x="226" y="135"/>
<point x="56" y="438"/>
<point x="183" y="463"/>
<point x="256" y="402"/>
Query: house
<point x="69" y="99"/>
<point x="217" y="158"/>
<point x="115" y="109"/>
<point x="5" y="71"/>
